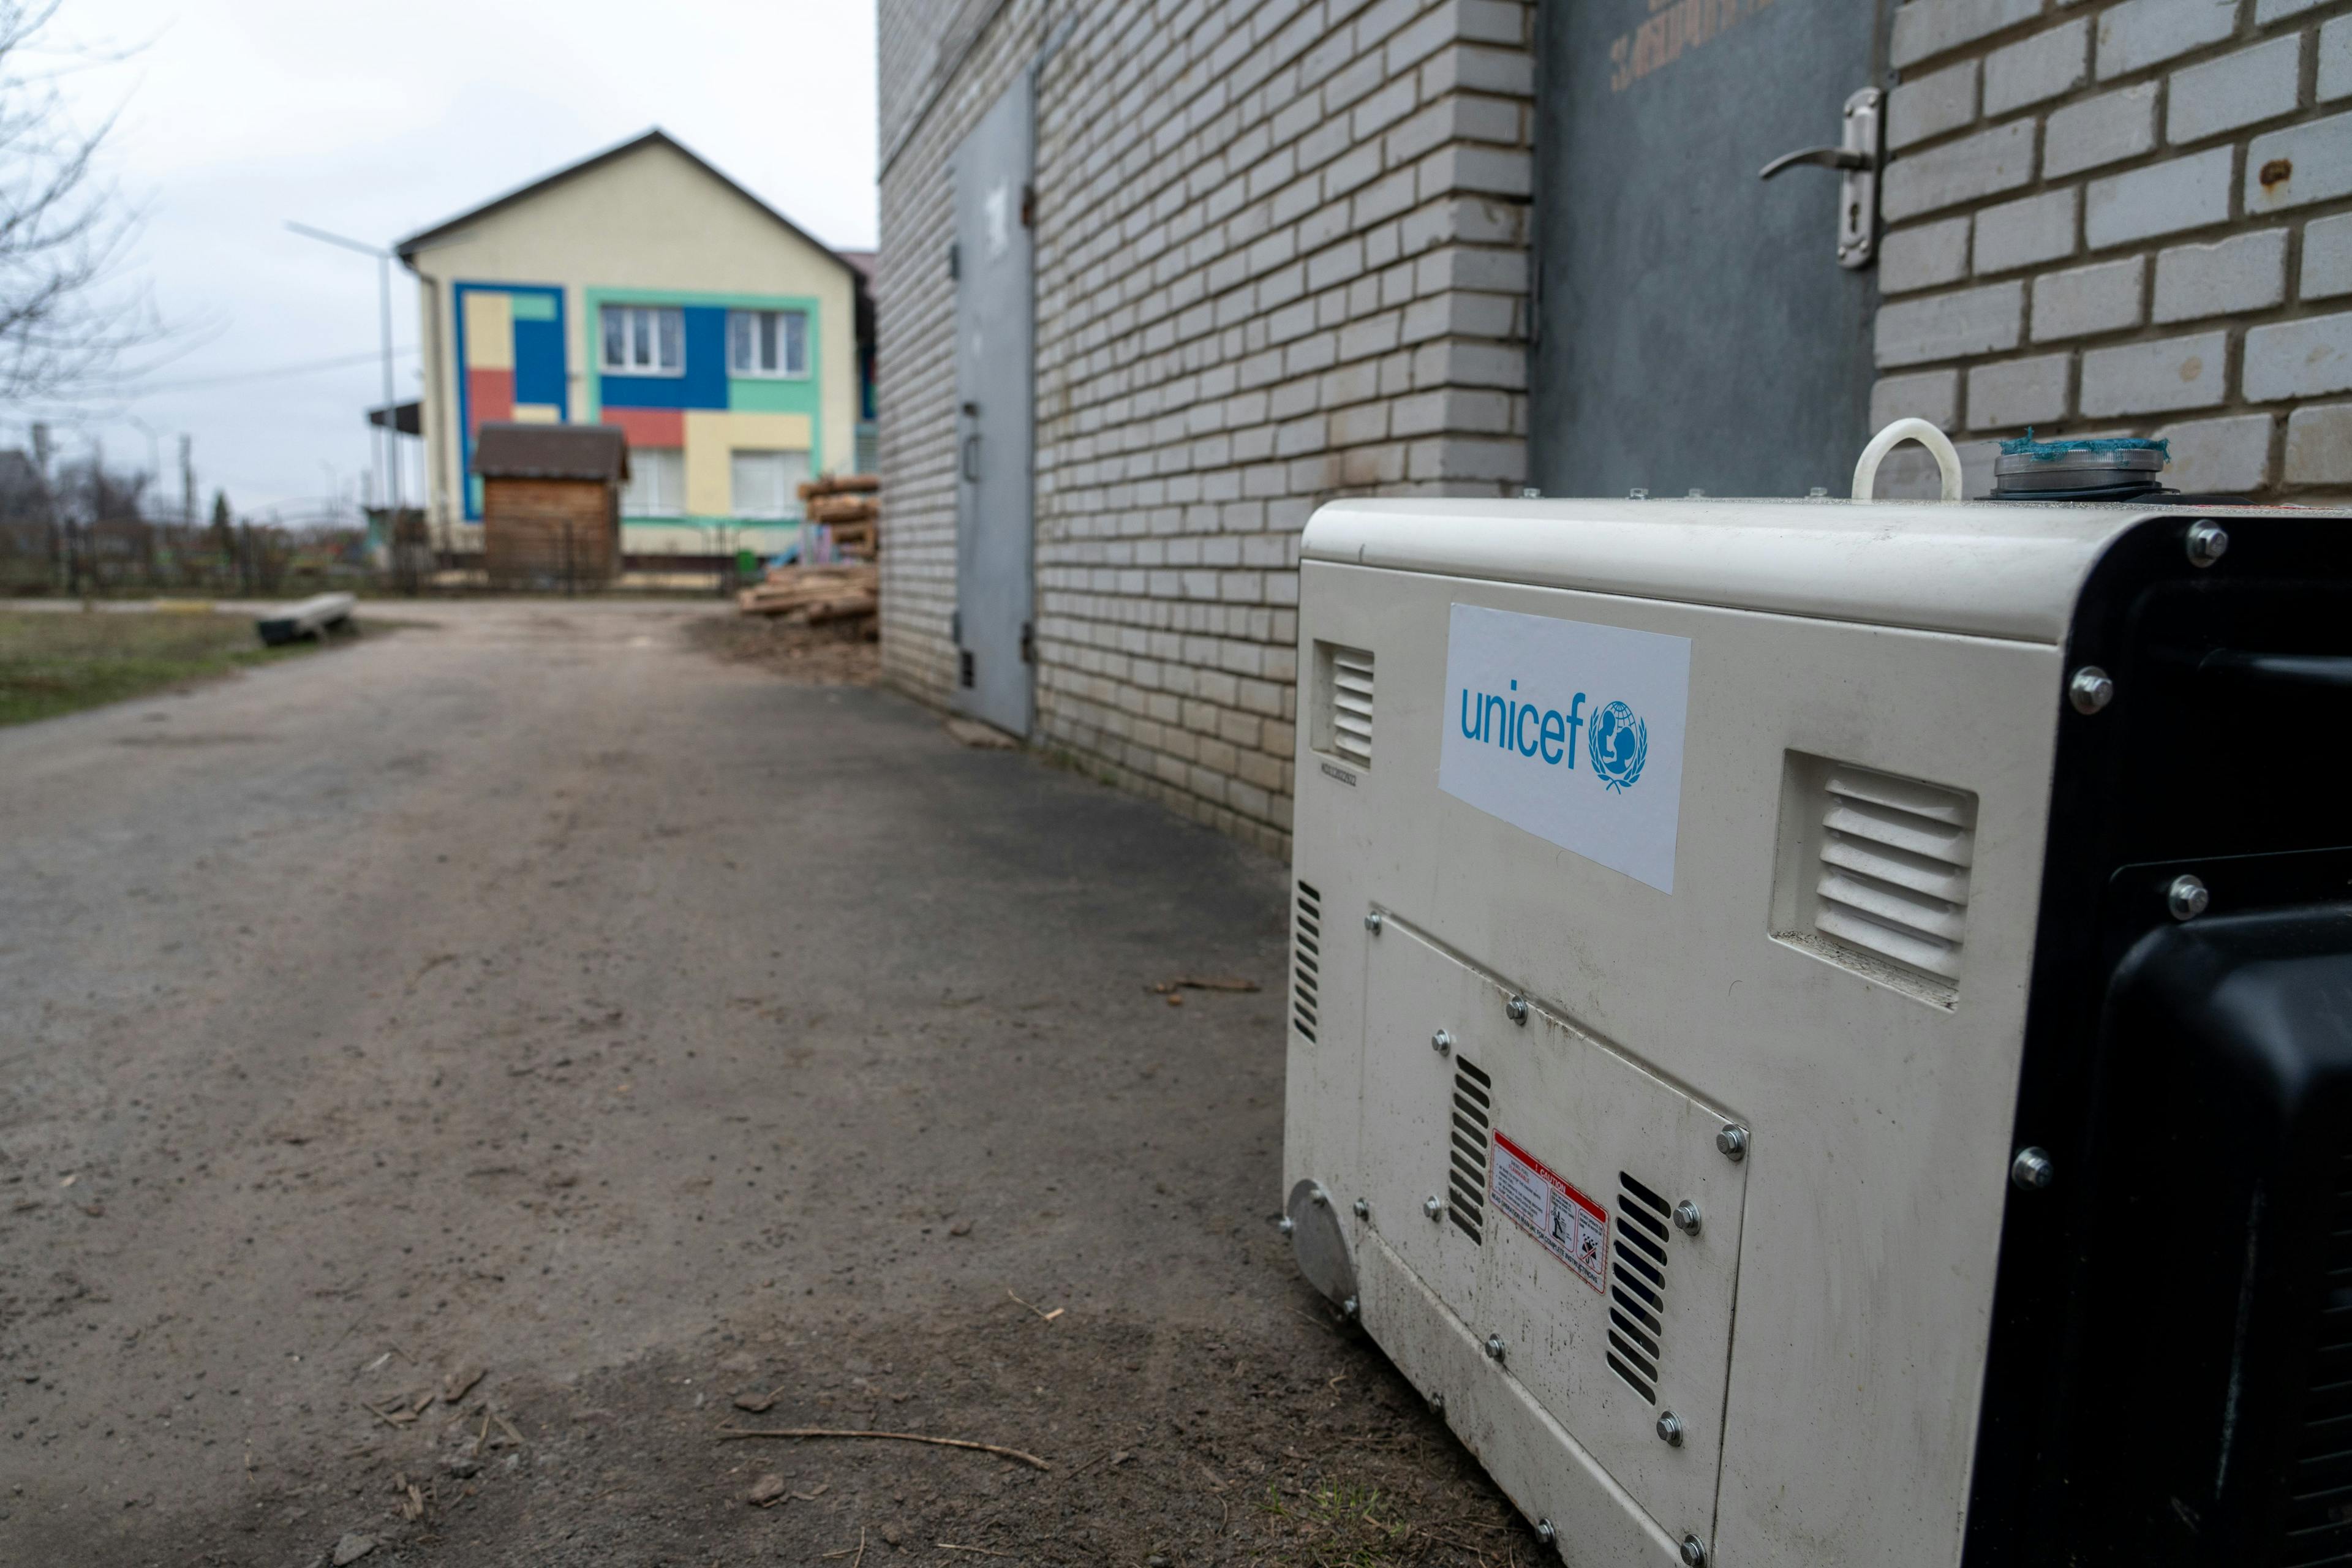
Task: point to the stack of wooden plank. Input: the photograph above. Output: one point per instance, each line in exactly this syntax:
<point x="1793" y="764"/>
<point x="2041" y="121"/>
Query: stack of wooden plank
<point x="816" y="595"/>
<point x="848" y="505"/>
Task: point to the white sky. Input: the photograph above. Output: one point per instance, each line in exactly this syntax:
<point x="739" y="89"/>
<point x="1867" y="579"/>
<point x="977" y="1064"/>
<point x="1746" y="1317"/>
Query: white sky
<point x="375" y="121"/>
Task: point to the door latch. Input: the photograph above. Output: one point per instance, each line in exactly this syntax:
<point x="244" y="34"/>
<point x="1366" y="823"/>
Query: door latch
<point x="1857" y="159"/>
<point x="1028" y="642"/>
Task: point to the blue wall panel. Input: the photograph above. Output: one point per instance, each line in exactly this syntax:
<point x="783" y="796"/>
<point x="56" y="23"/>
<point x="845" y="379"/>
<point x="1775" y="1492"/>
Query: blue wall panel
<point x="538" y="363"/>
<point x="704" y="384"/>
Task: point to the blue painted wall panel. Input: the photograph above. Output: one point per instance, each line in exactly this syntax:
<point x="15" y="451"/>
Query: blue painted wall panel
<point x="538" y="363"/>
<point x="704" y="384"/>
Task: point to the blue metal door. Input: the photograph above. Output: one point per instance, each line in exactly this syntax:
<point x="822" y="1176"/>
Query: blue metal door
<point x="1695" y="326"/>
<point x="996" y="320"/>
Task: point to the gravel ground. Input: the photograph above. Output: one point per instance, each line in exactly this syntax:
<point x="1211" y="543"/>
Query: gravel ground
<point x="533" y="994"/>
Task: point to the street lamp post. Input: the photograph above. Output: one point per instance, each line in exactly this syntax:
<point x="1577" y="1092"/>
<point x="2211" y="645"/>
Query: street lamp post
<point x="390" y="449"/>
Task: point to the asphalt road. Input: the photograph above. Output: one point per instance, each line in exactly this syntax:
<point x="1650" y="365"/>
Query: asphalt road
<point x="530" y="992"/>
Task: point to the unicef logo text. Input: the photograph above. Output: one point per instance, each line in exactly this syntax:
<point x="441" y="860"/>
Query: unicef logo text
<point x="1618" y="743"/>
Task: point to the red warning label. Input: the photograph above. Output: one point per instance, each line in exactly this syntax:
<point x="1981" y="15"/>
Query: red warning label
<point x="1571" y="1226"/>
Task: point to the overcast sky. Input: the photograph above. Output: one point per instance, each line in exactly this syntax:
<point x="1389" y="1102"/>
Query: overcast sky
<point x="375" y="121"/>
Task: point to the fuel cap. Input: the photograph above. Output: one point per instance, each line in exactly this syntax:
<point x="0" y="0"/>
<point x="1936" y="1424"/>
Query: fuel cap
<point x="2115" y="467"/>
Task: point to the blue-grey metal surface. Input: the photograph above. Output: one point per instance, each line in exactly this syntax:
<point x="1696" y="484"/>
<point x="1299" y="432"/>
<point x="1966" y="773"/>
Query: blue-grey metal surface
<point x="1694" y="328"/>
<point x="996" y="313"/>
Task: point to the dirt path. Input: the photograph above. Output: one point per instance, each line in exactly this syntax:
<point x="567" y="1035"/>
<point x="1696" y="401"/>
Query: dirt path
<point x="533" y="993"/>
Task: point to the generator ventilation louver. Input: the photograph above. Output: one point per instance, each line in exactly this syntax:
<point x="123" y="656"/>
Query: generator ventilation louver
<point x="1877" y="876"/>
<point x="1637" y="1287"/>
<point x="1306" y="958"/>
<point x="1466" y="1194"/>
<point x="1343" y="719"/>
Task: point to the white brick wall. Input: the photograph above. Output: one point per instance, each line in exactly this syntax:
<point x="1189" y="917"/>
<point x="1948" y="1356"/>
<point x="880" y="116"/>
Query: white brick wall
<point x="1281" y="257"/>
<point x="2155" y="193"/>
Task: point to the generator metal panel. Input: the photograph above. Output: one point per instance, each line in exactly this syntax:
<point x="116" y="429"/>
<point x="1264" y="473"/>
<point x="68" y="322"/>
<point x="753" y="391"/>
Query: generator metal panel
<point x="1588" y="1116"/>
<point x="1875" y="1196"/>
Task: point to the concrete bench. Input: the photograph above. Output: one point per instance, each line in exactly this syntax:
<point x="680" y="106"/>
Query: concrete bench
<point x="314" y="617"/>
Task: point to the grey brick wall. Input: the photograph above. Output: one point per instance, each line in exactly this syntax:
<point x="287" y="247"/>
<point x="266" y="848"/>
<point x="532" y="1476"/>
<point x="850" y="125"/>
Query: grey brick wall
<point x="2125" y="217"/>
<point x="1281" y="254"/>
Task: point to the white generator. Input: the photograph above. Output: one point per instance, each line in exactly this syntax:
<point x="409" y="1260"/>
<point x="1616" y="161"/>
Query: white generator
<point x="1821" y="1033"/>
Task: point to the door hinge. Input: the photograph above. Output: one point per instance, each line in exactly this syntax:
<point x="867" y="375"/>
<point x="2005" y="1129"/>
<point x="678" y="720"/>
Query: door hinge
<point x="1029" y="205"/>
<point x="1028" y="643"/>
<point x="964" y="670"/>
<point x="955" y="261"/>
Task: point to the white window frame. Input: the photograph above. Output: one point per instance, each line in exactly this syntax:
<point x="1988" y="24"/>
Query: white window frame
<point x="642" y="327"/>
<point x="788" y="499"/>
<point x="641" y="469"/>
<point x="738" y="322"/>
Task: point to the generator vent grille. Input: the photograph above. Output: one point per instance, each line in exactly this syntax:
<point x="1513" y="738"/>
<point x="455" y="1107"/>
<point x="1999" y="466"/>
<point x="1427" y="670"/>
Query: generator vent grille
<point x="2317" y="1523"/>
<point x="1351" y="705"/>
<point x="1465" y="1192"/>
<point x="1894" y="869"/>
<point x="1305" y="959"/>
<point x="1637" y="1287"/>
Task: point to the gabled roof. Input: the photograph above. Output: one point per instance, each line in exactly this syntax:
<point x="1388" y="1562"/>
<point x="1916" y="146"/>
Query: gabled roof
<point x="656" y="136"/>
<point x="552" y="452"/>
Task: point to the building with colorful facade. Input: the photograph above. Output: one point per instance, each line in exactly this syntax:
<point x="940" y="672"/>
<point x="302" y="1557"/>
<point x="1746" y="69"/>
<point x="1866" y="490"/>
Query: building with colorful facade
<point x="643" y="288"/>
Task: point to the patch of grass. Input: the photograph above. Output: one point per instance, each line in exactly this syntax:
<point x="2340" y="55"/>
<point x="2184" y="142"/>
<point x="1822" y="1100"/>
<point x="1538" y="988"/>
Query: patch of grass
<point x="61" y="661"/>
<point x="1339" y="1525"/>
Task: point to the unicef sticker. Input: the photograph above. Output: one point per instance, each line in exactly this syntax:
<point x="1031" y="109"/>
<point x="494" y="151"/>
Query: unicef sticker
<point x="1571" y="731"/>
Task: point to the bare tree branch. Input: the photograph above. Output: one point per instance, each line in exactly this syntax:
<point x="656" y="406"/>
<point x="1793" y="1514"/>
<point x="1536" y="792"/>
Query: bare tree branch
<point x="63" y="232"/>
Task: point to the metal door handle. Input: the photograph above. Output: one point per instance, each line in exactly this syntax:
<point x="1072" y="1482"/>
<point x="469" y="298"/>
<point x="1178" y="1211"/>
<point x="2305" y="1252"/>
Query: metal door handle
<point x="1856" y="159"/>
<point x="1825" y="157"/>
<point x="972" y="458"/>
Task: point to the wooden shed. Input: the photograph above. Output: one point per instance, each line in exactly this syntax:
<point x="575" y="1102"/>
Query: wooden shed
<point x="551" y="504"/>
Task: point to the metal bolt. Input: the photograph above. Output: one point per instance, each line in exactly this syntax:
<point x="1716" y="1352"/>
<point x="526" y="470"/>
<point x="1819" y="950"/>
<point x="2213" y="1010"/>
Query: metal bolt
<point x="1733" y="1142"/>
<point x="1437" y="1404"/>
<point x="1517" y="1008"/>
<point x="1348" y="1308"/>
<point x="1363" y="1209"/>
<point x="2031" y="1170"/>
<point x="2207" y="542"/>
<point x="1372" y="922"/>
<point x="2090" y="689"/>
<point x="1670" y="1429"/>
<point x="1321" y="1199"/>
<point x="1433" y="1207"/>
<point x="1441" y="1042"/>
<point x="1544" y="1532"/>
<point x="1687" y="1218"/>
<point x="1637" y="493"/>
<point x="1286" y="1225"/>
<point x="2186" y="897"/>
<point x="1495" y="1347"/>
<point x="1531" y="493"/>
<point x="1694" y="1552"/>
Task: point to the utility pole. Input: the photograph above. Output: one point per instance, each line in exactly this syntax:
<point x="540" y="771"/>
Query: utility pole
<point x="388" y="453"/>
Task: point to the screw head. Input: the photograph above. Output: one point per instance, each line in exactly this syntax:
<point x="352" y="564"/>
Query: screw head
<point x="2090" y="688"/>
<point x="1372" y="922"/>
<point x="1531" y="493"/>
<point x="1433" y="1207"/>
<point x="1363" y="1209"/>
<point x="1286" y="1225"/>
<point x="1694" y="1552"/>
<point x="1348" y="1308"/>
<point x="2186" y="897"/>
<point x="1544" y="1532"/>
<point x="1321" y="1199"/>
<point x="2031" y="1170"/>
<point x="1686" y="1217"/>
<point x="1670" y="1429"/>
<point x="1437" y="1404"/>
<point x="1733" y="1142"/>
<point x="2206" y="542"/>
<point x="1495" y="1347"/>
<point x="1517" y="1008"/>
<point x="1441" y="1042"/>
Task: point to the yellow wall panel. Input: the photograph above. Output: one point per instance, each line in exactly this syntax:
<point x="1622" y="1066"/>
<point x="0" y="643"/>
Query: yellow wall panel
<point x="537" y="413"/>
<point x="713" y="435"/>
<point x="490" y="331"/>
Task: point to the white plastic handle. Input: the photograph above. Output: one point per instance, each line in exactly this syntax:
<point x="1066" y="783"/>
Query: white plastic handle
<point x="1947" y="458"/>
